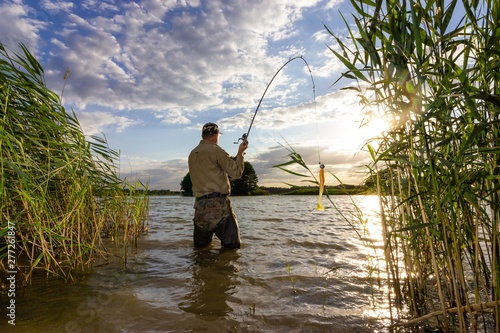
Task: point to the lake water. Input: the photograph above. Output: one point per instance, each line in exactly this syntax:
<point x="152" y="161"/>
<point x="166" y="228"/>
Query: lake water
<point x="298" y="270"/>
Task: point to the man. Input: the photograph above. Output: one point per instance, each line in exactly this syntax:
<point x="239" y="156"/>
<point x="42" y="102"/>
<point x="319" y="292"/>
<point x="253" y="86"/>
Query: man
<point x="210" y="168"/>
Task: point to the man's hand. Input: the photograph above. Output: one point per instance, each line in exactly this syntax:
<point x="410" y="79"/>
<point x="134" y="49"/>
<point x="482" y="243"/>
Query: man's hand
<point x="243" y="146"/>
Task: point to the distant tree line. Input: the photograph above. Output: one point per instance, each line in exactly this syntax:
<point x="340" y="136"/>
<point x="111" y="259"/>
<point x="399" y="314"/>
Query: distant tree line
<point x="343" y="189"/>
<point x="248" y="185"/>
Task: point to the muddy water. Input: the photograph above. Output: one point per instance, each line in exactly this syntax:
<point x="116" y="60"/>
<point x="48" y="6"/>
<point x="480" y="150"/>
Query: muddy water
<point x="299" y="270"/>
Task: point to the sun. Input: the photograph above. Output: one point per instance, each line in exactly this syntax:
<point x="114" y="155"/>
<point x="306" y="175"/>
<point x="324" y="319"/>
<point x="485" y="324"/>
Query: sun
<point x="372" y="130"/>
<point x="377" y="126"/>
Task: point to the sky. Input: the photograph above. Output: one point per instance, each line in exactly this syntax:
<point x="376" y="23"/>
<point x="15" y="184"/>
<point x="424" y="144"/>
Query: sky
<point x="147" y="75"/>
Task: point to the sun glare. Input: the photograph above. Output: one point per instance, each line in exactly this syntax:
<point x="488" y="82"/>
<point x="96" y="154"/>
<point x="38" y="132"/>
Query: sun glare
<point x="370" y="206"/>
<point x="371" y="131"/>
<point x="375" y="127"/>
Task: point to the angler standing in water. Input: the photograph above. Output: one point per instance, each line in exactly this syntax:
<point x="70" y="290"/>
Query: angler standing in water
<point x="209" y="169"/>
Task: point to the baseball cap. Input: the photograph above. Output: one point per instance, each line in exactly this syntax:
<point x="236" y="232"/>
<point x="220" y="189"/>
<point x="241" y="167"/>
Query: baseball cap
<point x="210" y="128"/>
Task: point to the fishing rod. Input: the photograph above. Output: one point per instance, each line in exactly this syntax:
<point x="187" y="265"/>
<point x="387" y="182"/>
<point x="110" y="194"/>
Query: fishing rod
<point x="244" y="137"/>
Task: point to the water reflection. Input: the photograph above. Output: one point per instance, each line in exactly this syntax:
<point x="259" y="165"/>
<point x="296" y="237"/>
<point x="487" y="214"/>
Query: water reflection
<point x="338" y="278"/>
<point x="213" y="283"/>
<point x="370" y="207"/>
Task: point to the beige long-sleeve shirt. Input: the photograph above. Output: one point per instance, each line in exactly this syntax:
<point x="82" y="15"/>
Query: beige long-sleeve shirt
<point x="209" y="168"/>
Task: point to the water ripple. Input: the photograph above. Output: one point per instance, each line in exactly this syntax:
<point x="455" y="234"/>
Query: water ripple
<point x="298" y="270"/>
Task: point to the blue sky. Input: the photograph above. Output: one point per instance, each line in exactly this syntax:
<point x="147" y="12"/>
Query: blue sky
<point x="148" y="74"/>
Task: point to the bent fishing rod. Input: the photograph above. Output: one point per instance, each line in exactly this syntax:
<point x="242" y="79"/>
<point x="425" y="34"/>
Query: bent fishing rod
<point x="244" y="137"/>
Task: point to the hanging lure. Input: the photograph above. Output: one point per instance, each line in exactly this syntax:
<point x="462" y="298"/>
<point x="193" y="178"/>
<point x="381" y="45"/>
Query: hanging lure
<point x="319" y="205"/>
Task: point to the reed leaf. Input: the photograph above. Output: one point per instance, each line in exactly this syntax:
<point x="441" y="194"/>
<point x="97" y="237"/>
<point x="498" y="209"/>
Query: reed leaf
<point x="434" y="71"/>
<point x="59" y="189"/>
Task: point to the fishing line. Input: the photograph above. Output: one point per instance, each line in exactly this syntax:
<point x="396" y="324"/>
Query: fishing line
<point x="244" y="137"/>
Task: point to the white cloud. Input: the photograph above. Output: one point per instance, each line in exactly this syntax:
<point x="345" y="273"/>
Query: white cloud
<point x="344" y="165"/>
<point x="96" y="122"/>
<point x="333" y="106"/>
<point x="148" y="57"/>
<point x="168" y="174"/>
<point x="99" y="5"/>
<point x="182" y="62"/>
<point x="333" y="4"/>
<point x="56" y="6"/>
<point x="156" y="174"/>
<point x="172" y="116"/>
<point x="17" y="26"/>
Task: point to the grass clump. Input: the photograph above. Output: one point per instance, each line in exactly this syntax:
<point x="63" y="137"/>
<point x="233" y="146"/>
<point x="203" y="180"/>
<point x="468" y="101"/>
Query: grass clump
<point x="432" y="69"/>
<point x="59" y="192"/>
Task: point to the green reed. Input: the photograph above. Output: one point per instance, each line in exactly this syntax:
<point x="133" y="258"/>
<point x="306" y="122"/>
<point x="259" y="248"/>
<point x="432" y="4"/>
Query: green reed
<point x="434" y="73"/>
<point x="59" y="189"/>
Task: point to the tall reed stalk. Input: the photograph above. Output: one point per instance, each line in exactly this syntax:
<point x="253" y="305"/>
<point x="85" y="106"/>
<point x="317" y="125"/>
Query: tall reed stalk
<point x="432" y="69"/>
<point x="59" y="190"/>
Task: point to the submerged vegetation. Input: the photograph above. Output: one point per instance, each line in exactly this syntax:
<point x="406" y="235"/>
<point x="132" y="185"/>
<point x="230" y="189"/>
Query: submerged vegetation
<point x="59" y="192"/>
<point x="432" y="69"/>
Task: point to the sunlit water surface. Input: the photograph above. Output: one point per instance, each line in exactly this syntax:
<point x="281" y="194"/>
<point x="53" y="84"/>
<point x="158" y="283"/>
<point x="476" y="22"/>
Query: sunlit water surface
<point x="299" y="270"/>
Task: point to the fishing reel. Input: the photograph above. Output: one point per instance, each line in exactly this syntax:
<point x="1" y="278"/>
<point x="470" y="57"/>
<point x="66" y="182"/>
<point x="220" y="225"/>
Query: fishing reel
<point x="243" y="138"/>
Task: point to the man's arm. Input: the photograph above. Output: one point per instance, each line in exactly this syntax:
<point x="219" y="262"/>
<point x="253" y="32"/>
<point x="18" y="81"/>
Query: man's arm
<point x="234" y="165"/>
